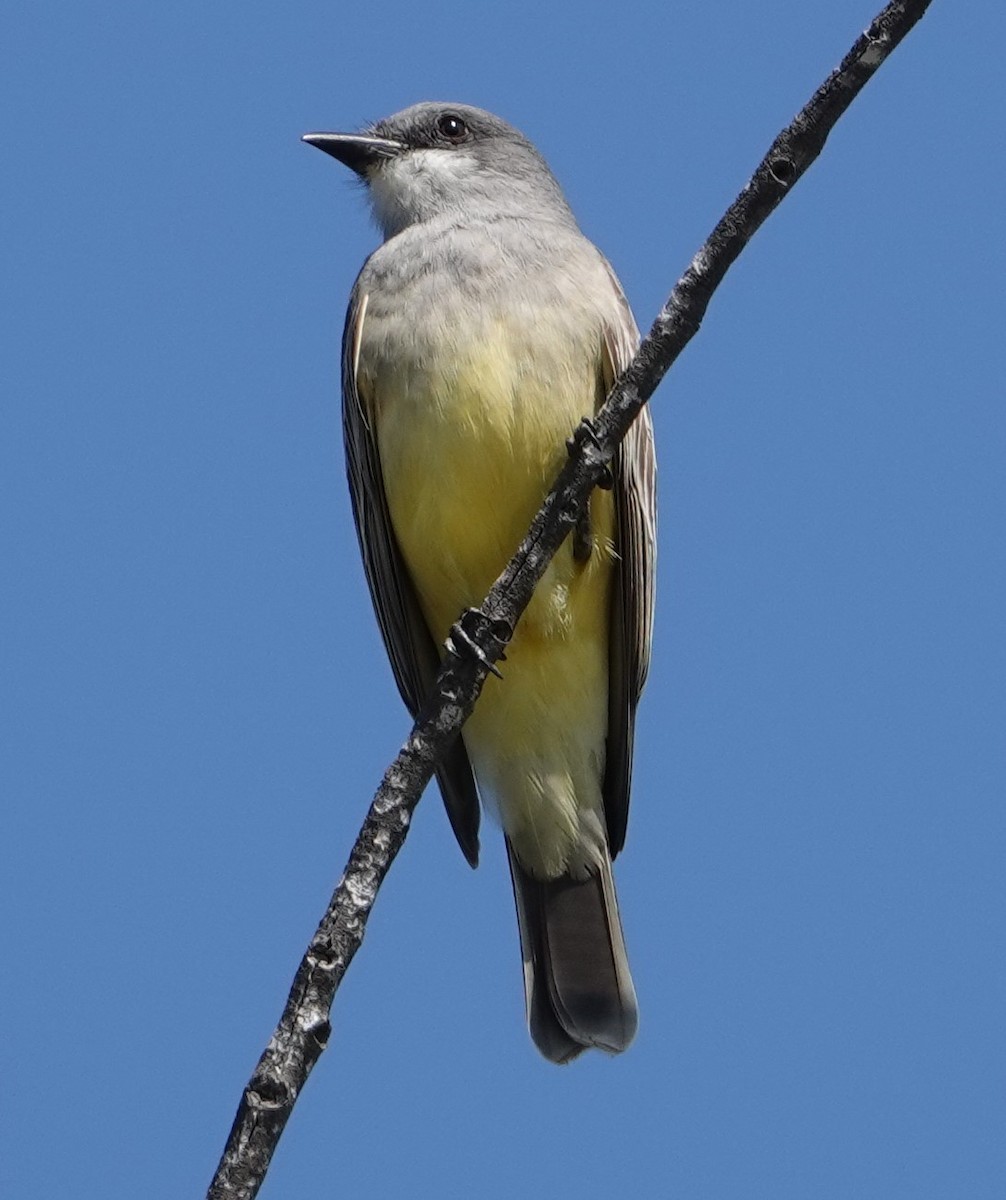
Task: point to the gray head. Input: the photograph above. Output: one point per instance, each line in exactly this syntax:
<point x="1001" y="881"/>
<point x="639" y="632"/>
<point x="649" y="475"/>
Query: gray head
<point x="438" y="160"/>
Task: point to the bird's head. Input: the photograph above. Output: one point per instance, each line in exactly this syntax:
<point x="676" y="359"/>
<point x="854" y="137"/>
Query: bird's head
<point x="436" y="159"/>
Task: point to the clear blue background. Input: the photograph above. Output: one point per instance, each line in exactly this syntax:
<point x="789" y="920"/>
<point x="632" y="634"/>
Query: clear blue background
<point x="197" y="706"/>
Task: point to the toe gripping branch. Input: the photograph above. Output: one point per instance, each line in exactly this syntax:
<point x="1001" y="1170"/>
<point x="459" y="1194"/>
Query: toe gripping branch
<point x="473" y="628"/>
<point x="587" y="432"/>
<point x="583" y="537"/>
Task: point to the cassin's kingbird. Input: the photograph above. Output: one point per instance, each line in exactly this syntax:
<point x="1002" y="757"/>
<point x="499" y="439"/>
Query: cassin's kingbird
<point x="478" y="335"/>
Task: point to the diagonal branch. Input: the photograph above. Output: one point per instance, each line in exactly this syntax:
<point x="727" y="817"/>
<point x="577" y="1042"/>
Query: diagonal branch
<point x="303" y="1031"/>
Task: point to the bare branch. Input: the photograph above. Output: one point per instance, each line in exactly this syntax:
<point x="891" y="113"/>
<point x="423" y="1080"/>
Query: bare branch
<point x="303" y="1030"/>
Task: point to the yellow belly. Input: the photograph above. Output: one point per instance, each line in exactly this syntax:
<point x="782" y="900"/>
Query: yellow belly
<point x="468" y="453"/>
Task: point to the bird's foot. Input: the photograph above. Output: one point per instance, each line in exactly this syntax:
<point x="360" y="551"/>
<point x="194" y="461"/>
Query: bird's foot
<point x="587" y="432"/>
<point x="473" y="625"/>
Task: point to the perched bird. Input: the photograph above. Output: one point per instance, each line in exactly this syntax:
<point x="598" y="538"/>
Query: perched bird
<point x="478" y="335"/>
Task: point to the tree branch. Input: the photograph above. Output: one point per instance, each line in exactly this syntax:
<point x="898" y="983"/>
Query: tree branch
<point x="303" y="1030"/>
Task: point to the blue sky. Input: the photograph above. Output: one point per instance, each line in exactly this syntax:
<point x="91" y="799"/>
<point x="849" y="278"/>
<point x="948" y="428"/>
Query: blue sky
<point x="197" y="706"/>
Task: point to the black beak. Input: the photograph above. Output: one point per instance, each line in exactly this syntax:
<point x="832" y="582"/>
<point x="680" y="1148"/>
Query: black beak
<point x="357" y="151"/>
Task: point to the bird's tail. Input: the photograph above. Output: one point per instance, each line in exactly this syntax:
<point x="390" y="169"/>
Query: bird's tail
<point x="576" y="976"/>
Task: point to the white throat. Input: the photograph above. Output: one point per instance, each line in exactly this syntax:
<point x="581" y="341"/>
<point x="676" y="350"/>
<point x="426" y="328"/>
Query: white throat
<point x="418" y="185"/>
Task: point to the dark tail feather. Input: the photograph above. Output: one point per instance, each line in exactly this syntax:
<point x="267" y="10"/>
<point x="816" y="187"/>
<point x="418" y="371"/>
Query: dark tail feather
<point x="576" y="976"/>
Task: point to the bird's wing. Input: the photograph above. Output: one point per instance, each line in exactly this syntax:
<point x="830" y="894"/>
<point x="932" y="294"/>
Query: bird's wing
<point x="413" y="652"/>
<point x="634" y="471"/>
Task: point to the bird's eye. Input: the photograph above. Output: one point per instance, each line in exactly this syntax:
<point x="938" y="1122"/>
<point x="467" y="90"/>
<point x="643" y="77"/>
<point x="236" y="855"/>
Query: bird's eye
<point x="452" y="127"/>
